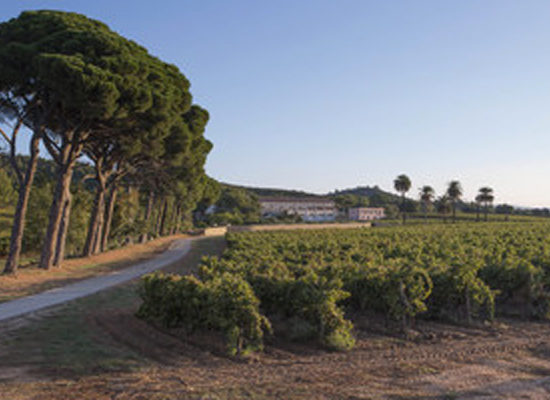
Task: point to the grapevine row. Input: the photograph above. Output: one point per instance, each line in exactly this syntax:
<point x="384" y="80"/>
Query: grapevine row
<point x="305" y="285"/>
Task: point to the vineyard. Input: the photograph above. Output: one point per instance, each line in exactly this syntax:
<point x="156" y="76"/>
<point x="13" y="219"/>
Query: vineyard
<point x="309" y="286"/>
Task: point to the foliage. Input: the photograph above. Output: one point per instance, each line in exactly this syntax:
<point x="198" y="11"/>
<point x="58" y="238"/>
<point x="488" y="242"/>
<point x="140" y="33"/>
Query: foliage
<point x="344" y="201"/>
<point x="307" y="281"/>
<point x="504" y="209"/>
<point x="376" y="197"/>
<point x="236" y="206"/>
<point x="409" y="206"/>
<point x="225" y="303"/>
<point x="77" y="86"/>
<point x="78" y="223"/>
<point x="37" y="219"/>
<point x="391" y="211"/>
<point x="402" y="184"/>
<point x="8" y="194"/>
<point x="4" y="245"/>
<point x="126" y="218"/>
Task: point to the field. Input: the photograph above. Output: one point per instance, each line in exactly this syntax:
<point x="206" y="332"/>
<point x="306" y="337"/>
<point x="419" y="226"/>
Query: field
<point x="308" y="286"/>
<point x="462" y="217"/>
<point x="432" y="312"/>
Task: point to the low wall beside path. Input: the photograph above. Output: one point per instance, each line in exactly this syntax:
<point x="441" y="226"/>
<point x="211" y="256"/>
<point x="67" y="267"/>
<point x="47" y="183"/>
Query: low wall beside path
<point x="215" y="231"/>
<point x="222" y="230"/>
<point x="289" y="227"/>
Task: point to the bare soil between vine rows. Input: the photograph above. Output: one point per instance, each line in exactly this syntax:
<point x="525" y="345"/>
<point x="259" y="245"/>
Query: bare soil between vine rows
<point x="508" y="360"/>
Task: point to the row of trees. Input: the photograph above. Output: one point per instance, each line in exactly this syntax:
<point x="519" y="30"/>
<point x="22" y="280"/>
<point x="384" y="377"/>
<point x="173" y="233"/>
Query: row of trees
<point x="445" y="203"/>
<point x="79" y="90"/>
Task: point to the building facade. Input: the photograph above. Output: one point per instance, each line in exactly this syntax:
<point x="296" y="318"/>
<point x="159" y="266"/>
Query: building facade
<point x="365" y="213"/>
<point x="309" y="209"/>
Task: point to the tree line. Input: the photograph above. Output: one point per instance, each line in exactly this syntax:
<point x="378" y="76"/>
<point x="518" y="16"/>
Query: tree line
<point x="446" y="203"/>
<point x="78" y="90"/>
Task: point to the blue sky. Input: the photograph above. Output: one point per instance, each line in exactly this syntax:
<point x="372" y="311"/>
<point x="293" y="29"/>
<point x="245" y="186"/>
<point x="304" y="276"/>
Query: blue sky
<point x="320" y="95"/>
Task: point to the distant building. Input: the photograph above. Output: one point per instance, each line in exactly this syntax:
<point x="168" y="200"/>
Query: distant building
<point x="365" y="213"/>
<point x="308" y="208"/>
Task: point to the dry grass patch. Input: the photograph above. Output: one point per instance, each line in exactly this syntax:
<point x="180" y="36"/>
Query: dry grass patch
<point x="90" y="336"/>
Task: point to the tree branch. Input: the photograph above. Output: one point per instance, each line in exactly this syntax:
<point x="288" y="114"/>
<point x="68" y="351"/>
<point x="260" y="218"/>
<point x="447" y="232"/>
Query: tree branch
<point x="53" y="149"/>
<point x="13" y="150"/>
<point x="6" y="137"/>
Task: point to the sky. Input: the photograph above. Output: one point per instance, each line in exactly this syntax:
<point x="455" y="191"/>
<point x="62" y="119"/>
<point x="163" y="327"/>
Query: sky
<point x="323" y="95"/>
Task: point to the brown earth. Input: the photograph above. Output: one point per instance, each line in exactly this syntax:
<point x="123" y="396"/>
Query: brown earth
<point x="510" y="360"/>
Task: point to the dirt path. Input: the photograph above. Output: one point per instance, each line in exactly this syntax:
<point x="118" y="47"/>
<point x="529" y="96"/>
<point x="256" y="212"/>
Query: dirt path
<point x="25" y="305"/>
<point x="31" y="280"/>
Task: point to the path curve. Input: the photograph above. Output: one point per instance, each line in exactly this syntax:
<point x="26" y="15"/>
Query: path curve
<point x="25" y="305"/>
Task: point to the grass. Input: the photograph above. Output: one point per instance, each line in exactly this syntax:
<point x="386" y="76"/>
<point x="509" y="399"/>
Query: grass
<point x="66" y="342"/>
<point x="69" y="342"/>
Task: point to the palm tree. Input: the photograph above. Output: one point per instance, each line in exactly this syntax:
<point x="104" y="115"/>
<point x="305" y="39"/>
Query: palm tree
<point x="486" y="197"/>
<point x="454" y="193"/>
<point x="402" y="184"/>
<point x="427" y="194"/>
<point x="479" y="201"/>
<point x="443" y="206"/>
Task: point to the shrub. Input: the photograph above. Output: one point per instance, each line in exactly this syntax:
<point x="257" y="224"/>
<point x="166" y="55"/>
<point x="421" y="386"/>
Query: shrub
<point x="310" y="306"/>
<point x="399" y="292"/>
<point x="458" y="293"/>
<point x="225" y="303"/>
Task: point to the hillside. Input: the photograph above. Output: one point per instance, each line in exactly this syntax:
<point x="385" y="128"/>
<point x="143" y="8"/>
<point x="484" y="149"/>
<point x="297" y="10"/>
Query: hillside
<point x="375" y="195"/>
<point x="271" y="192"/>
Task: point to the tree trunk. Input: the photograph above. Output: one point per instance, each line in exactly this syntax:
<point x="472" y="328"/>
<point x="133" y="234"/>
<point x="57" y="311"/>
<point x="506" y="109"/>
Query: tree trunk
<point x="477" y="214"/>
<point x="403" y="209"/>
<point x="96" y="216"/>
<point x="159" y="216"/>
<point x="63" y="230"/>
<point x="175" y="218"/>
<point x="147" y="217"/>
<point x="406" y="306"/>
<point x="96" y="247"/>
<point x="486" y="213"/>
<point x="179" y="217"/>
<point x="163" y="218"/>
<point x="425" y="213"/>
<point x="67" y="157"/>
<point x="109" y="216"/>
<point x="18" y="227"/>
<point x="454" y="213"/>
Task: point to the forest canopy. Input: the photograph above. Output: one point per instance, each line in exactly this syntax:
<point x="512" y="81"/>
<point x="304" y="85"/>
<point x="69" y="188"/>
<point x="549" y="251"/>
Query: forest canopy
<point x="83" y="92"/>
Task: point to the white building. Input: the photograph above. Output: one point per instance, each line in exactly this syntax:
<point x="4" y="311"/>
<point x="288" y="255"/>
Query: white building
<point x="308" y="208"/>
<point x="365" y="213"/>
